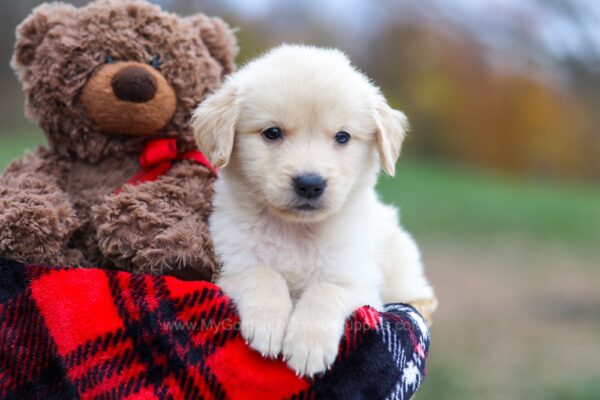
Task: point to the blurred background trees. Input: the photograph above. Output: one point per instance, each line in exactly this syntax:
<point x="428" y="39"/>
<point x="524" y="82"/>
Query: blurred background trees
<point x="508" y="85"/>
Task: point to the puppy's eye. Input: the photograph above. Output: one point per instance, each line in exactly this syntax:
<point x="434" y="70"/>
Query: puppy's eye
<point x="273" y="133"/>
<point x="109" y="59"/>
<point x="342" y="137"/>
<point x="155" y="62"/>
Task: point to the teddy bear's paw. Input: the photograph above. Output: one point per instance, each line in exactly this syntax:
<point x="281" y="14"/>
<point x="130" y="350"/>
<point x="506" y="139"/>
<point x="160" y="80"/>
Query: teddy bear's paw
<point x="162" y="261"/>
<point x="122" y="229"/>
<point x="120" y="246"/>
<point x="311" y="346"/>
<point x="35" y="228"/>
<point x="71" y="257"/>
<point x="182" y="251"/>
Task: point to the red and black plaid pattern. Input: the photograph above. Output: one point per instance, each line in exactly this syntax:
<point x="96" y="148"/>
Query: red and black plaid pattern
<point x="70" y="333"/>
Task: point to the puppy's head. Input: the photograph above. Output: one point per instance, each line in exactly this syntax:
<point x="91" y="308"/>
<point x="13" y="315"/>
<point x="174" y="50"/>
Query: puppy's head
<point x="300" y="130"/>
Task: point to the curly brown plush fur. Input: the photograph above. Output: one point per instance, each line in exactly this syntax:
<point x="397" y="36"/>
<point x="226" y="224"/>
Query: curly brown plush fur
<point x="159" y="225"/>
<point x="101" y="81"/>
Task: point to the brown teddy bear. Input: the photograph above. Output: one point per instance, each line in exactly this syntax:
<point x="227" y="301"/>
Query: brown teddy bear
<point x="113" y="85"/>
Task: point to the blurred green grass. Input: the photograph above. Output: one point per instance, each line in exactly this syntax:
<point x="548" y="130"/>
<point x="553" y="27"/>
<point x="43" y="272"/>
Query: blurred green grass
<point x="451" y="203"/>
<point x="14" y="142"/>
<point x="448" y="380"/>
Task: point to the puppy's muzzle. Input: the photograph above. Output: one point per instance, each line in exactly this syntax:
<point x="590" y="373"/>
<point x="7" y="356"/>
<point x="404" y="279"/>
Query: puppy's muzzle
<point x="309" y="186"/>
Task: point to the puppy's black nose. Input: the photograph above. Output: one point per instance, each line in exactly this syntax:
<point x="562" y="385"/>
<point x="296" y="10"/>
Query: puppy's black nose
<point x="309" y="186"/>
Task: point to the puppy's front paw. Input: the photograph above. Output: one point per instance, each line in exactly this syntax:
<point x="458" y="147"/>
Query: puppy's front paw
<point x="311" y="346"/>
<point x="263" y="326"/>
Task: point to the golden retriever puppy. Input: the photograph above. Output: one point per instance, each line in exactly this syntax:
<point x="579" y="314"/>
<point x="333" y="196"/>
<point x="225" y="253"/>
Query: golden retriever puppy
<point x="299" y="135"/>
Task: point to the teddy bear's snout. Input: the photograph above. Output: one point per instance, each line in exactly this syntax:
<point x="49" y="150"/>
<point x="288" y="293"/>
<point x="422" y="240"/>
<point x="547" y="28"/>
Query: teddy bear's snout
<point x="129" y="98"/>
<point x="134" y="84"/>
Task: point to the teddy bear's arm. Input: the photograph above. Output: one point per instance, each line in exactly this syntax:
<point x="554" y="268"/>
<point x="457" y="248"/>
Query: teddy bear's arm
<point x="160" y="226"/>
<point x="36" y="216"/>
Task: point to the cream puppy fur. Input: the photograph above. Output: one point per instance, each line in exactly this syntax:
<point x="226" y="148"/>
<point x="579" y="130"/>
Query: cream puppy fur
<point x="299" y="135"/>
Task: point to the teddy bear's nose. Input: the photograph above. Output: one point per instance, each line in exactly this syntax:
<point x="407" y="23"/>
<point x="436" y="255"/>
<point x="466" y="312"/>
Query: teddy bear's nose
<point x="134" y="84"/>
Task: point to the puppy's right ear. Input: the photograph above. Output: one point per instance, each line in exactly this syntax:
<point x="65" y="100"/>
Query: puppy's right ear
<point x="214" y="122"/>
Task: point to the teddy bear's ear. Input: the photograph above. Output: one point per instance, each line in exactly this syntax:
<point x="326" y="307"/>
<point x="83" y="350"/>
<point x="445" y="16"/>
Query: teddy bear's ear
<point x="32" y="31"/>
<point x="218" y="37"/>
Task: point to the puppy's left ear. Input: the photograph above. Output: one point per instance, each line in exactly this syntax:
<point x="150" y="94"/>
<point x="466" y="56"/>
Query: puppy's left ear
<point x="214" y="123"/>
<point x="392" y="126"/>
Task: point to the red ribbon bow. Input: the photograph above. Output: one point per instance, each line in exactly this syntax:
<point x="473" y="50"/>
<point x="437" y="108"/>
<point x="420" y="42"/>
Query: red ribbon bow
<point x="159" y="156"/>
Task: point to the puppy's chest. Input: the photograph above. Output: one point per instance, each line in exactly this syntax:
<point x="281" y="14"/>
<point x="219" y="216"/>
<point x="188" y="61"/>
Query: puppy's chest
<point x="300" y="260"/>
<point x="300" y="256"/>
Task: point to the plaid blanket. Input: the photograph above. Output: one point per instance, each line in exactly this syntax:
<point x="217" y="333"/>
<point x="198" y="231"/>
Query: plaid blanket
<point x="71" y="333"/>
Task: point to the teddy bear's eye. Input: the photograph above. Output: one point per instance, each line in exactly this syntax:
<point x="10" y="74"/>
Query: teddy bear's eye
<point x="155" y="62"/>
<point x="109" y="59"/>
